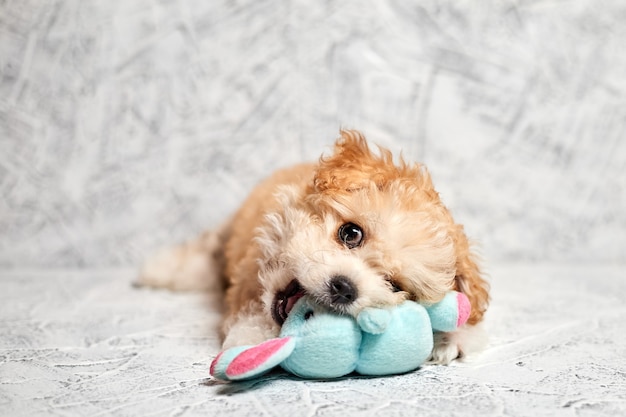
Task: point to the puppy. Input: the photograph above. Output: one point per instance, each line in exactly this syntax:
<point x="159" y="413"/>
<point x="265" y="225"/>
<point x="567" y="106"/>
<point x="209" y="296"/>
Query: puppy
<point x="353" y="230"/>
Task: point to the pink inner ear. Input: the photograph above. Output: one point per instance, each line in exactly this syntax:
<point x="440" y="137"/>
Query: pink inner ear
<point x="254" y="357"/>
<point x="464" y="309"/>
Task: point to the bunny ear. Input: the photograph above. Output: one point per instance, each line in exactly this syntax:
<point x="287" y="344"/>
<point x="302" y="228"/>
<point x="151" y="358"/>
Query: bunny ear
<point x="221" y="362"/>
<point x="243" y="362"/>
<point x="450" y="313"/>
<point x="465" y="308"/>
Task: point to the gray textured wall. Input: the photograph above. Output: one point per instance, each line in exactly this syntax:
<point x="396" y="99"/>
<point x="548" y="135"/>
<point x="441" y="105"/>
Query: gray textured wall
<point x="126" y="125"/>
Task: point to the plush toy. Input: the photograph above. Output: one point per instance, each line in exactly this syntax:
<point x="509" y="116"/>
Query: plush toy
<point x="317" y="343"/>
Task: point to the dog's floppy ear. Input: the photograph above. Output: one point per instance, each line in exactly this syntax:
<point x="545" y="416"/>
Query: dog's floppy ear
<point x="469" y="279"/>
<point x="244" y="362"/>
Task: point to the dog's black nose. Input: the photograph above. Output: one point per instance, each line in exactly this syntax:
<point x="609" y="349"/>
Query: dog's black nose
<point x="342" y="291"/>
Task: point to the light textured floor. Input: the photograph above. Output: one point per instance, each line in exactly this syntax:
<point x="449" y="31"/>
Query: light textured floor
<point x="86" y="343"/>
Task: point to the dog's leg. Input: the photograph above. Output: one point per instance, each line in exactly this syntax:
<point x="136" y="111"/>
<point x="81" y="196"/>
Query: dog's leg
<point x="195" y="265"/>
<point x="250" y="326"/>
<point x="460" y="344"/>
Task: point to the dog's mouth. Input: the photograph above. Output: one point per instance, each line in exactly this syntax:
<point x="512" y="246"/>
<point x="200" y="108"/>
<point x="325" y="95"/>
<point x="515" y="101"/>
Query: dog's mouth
<point x="285" y="300"/>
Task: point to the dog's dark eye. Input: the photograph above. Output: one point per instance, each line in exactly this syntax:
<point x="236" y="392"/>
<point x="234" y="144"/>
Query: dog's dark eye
<point x="351" y="235"/>
<point x="308" y="315"/>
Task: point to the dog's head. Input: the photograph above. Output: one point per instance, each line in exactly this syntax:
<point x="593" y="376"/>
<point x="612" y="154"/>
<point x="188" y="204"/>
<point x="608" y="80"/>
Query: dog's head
<point x="365" y="232"/>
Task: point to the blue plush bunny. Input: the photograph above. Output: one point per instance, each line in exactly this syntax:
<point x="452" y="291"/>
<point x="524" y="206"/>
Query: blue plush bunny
<point x="317" y="343"/>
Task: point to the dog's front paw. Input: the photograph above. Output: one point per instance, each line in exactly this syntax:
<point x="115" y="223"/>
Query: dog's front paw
<point x="445" y="350"/>
<point x="464" y="343"/>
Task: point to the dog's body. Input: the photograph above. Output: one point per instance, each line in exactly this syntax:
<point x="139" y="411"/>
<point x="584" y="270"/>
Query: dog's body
<point x="354" y="230"/>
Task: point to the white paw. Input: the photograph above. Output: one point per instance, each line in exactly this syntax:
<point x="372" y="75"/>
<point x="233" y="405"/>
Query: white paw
<point x="250" y="327"/>
<point x="445" y="350"/>
<point x="463" y="343"/>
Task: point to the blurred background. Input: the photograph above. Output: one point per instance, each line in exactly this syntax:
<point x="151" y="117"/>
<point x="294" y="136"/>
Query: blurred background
<point x="129" y="125"/>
